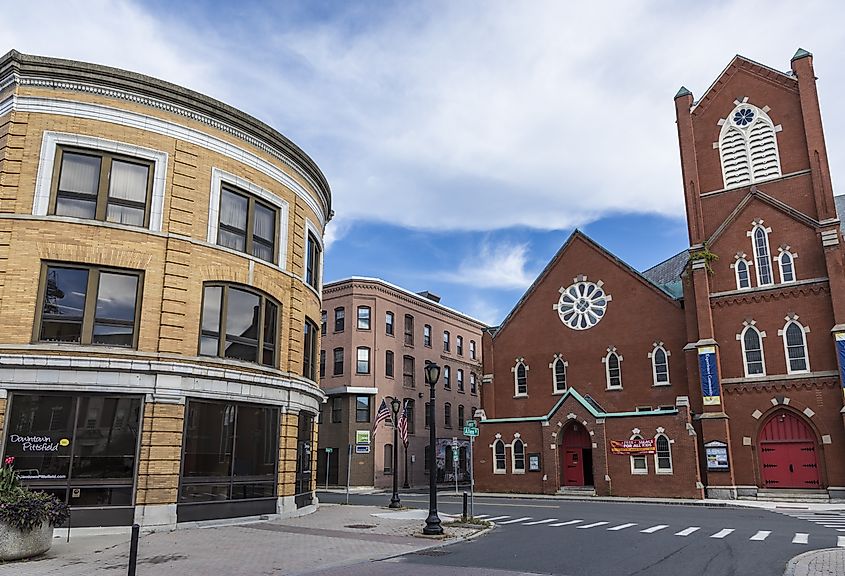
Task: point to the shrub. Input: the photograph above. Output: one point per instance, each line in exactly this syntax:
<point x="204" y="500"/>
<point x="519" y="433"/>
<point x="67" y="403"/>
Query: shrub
<point x="26" y="509"/>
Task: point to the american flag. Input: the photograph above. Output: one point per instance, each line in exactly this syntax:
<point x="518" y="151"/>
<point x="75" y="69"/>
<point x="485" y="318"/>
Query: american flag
<point x="382" y="415"/>
<point x="403" y="425"/>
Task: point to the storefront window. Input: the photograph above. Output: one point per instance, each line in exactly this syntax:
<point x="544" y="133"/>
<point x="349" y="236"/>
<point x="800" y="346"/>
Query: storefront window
<point x="230" y="452"/>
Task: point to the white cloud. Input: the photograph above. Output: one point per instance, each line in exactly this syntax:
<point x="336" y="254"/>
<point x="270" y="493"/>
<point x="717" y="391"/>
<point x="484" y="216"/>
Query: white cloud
<point x="495" y="266"/>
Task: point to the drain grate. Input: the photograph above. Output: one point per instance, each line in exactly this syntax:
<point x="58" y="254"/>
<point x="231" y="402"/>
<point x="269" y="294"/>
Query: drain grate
<point x="360" y="526"/>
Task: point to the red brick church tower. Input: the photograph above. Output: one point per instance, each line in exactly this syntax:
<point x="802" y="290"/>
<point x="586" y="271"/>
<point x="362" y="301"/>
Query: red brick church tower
<point x="765" y="318"/>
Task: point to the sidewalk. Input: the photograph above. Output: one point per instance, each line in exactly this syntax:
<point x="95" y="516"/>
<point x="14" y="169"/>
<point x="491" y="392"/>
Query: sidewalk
<point x="333" y="536"/>
<point x="829" y="562"/>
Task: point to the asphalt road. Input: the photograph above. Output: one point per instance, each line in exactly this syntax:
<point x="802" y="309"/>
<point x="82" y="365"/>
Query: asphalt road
<point x="587" y="538"/>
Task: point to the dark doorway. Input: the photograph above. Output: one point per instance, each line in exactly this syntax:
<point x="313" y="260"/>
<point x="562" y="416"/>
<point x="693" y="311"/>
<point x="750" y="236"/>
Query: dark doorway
<point x="576" y="456"/>
<point x="788" y="453"/>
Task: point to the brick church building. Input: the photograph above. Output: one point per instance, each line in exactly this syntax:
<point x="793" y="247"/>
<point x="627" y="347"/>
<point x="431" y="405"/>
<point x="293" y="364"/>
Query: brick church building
<point x="715" y="374"/>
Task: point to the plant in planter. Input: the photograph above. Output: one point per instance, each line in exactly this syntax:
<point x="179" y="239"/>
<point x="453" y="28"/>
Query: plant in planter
<point x="27" y="517"/>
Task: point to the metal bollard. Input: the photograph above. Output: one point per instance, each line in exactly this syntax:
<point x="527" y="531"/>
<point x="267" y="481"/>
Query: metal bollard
<point x="464" y="515"/>
<point x="133" y="549"/>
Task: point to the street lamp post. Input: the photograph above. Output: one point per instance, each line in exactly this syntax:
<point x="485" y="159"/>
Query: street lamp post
<point x="395" y="405"/>
<point x="432" y="523"/>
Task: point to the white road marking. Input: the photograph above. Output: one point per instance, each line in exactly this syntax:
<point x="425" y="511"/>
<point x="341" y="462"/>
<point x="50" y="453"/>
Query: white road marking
<point x="654" y="529"/>
<point x="840" y="542"/>
<point x="688" y="531"/>
<point x="761" y="535"/>
<point x="523" y="519"/>
<point x="623" y="526"/>
<point x="722" y="533"/>
<point x="800" y="538"/>
<point x="539" y="522"/>
<point x="594" y="524"/>
<point x="496" y="518"/>
<point x="566" y="523"/>
<point x="481" y="516"/>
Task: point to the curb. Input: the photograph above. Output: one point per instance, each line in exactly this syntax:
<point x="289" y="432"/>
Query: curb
<point x="611" y="499"/>
<point x="793" y="563"/>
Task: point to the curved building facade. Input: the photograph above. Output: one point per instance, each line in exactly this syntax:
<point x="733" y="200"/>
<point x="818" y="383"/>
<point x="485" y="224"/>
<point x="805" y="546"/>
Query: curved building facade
<point x="160" y="276"/>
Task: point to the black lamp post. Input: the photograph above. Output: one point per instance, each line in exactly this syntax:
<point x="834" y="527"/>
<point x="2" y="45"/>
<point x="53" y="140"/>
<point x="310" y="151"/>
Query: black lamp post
<point x="395" y="405"/>
<point x="432" y="523"/>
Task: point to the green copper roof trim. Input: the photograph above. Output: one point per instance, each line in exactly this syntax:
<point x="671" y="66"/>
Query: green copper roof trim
<point x="684" y="91"/>
<point x="800" y="53"/>
<point x="595" y="413"/>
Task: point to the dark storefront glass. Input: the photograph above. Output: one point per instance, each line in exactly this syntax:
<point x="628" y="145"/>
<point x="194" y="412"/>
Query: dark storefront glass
<point x="304" y="496"/>
<point x="80" y="448"/>
<point x="230" y="452"/>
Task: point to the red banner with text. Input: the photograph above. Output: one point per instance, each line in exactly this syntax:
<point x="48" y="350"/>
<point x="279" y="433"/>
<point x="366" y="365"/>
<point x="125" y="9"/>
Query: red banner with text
<point x="632" y="447"/>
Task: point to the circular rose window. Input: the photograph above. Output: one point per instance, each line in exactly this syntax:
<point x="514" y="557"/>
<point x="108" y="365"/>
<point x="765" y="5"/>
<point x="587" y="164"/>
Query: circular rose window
<point x="582" y="305"/>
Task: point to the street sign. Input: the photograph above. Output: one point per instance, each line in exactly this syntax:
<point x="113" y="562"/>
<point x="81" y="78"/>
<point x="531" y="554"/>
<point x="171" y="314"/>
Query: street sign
<point x="455" y="455"/>
<point x="470" y="424"/>
<point x="362" y="437"/>
<point x="471" y="432"/>
<point x="329" y="450"/>
<point x="362" y="448"/>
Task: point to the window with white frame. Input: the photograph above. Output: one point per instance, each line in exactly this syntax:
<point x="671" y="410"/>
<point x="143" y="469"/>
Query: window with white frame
<point x="752" y="352"/>
<point x="639" y="462"/>
<point x="499" y="466"/>
<point x="613" y="369"/>
<point x="520" y="378"/>
<point x="748" y="146"/>
<point x="558" y="367"/>
<point x="786" y="263"/>
<point x="795" y="346"/>
<point x="518" y="456"/>
<point x="762" y="259"/>
<point x="660" y="365"/>
<point x="472" y="349"/>
<point x="473" y="388"/>
<point x="743" y="274"/>
<point x="663" y="454"/>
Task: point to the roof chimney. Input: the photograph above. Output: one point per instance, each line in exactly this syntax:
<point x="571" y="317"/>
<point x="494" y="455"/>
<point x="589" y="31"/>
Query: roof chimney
<point x="430" y="295"/>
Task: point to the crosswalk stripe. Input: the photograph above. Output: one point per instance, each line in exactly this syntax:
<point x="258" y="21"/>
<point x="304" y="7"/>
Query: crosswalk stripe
<point x="594" y="524"/>
<point x="623" y="526"/>
<point x="800" y="538"/>
<point x="654" y="529"/>
<point x="496" y="518"/>
<point x="840" y="542"/>
<point x="722" y="533"/>
<point x="688" y="531"/>
<point x="514" y="521"/>
<point x="761" y="535"/>
<point x="566" y="523"/>
<point x="540" y="522"/>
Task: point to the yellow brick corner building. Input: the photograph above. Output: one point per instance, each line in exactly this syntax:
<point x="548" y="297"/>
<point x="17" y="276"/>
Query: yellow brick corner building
<point x="160" y="275"/>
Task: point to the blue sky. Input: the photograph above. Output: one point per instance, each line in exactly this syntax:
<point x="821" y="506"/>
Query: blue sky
<point x="463" y="141"/>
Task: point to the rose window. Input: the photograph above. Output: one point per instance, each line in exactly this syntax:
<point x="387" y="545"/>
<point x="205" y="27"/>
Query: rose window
<point x="743" y="117"/>
<point x="582" y="305"/>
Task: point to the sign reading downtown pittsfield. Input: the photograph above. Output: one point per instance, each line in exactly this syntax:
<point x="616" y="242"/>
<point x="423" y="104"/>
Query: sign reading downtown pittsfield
<point x="709" y="373"/>
<point x="27" y="446"/>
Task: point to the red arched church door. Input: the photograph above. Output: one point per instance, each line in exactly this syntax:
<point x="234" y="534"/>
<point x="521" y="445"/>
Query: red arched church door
<point x="576" y="456"/>
<point x="788" y="452"/>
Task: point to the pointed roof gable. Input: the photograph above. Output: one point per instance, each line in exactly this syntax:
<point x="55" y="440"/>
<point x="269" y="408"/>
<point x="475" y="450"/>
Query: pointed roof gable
<point x="578" y="235"/>
<point x="766" y="73"/>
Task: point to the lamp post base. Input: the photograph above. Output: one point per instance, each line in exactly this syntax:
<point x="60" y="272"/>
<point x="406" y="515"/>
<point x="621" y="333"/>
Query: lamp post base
<point x="395" y="502"/>
<point x="432" y="525"/>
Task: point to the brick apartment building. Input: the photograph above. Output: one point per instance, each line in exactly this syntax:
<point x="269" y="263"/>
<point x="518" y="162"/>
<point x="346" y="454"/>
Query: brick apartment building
<point x="717" y="373"/>
<point x="376" y="340"/>
<point x="159" y="298"/>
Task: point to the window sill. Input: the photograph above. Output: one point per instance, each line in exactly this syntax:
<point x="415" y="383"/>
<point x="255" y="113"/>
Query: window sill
<point x="518" y="472"/>
<point x="500" y="471"/>
<point x="639" y="472"/>
<point x="520" y="395"/>
<point x="558" y="392"/>
<point x="661" y="384"/>
<point x="613" y="388"/>
<point x="795" y="372"/>
<point x="664" y="472"/>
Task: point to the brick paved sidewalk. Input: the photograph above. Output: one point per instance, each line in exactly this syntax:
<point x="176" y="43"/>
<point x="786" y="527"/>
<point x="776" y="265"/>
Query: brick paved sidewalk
<point x="335" y="535"/>
<point x="830" y="562"/>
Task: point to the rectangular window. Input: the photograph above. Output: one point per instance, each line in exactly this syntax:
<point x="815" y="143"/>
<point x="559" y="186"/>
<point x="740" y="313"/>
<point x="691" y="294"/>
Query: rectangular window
<point x="427" y="336"/>
<point x="363" y="364"/>
<point x="337" y="409"/>
<point x="229" y="452"/>
<point x="363" y="317"/>
<point x="459" y="345"/>
<point x="460" y="377"/>
<point x="446" y="341"/>
<point x="409" y="411"/>
<point x="322" y="363"/>
<point x="408" y="371"/>
<point x="473" y="387"/>
<point x="388" y="363"/>
<point x="339" y="319"/>
<point x="388" y="458"/>
<point x="312" y="263"/>
<point x="409" y="330"/>
<point x="447" y="415"/>
<point x="447" y="378"/>
<point x="247" y="224"/>
<point x="472" y="349"/>
<point x="324" y="320"/>
<point x="461" y="415"/>
<point x="309" y="350"/>
<point x="102" y="186"/>
<point x="388" y="323"/>
<point x="427" y="415"/>
<point x="338" y="361"/>
<point x="109" y="316"/>
<point x="241" y="324"/>
<point x="362" y="408"/>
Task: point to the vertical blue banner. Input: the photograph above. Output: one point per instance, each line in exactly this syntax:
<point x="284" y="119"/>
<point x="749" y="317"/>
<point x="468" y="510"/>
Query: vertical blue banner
<point x="709" y="373"/>
<point x="840" y="353"/>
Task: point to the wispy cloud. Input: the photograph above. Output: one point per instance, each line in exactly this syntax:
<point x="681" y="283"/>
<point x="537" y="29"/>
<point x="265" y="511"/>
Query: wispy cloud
<point x="499" y="266"/>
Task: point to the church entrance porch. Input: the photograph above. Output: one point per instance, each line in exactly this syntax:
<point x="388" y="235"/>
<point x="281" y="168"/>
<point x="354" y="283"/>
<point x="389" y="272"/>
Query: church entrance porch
<point x="576" y="457"/>
<point x="788" y="453"/>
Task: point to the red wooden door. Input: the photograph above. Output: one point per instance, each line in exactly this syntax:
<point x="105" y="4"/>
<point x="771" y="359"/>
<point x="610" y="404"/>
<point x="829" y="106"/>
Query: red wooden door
<point x="788" y="453"/>
<point x="573" y="467"/>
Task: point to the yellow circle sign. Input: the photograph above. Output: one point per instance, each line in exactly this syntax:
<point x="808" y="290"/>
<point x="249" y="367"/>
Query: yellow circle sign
<point x="64" y="442"/>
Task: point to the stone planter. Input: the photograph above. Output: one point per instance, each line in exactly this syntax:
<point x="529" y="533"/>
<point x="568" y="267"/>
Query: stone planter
<point x="15" y="545"/>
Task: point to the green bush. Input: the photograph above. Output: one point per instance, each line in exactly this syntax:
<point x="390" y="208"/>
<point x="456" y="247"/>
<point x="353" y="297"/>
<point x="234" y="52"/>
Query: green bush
<point x="26" y="509"/>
